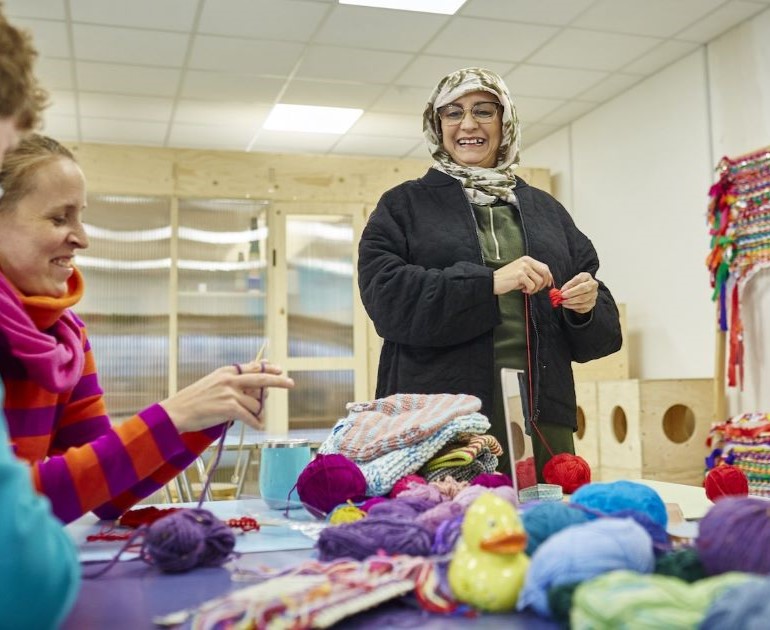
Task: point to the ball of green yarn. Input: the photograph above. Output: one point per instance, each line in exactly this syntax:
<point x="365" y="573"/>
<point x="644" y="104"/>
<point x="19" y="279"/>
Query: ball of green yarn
<point x="684" y="564"/>
<point x="560" y="600"/>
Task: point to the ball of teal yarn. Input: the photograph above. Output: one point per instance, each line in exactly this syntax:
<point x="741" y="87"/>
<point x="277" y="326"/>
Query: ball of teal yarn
<point x="582" y="552"/>
<point x="617" y="496"/>
<point x="683" y="563"/>
<point x="545" y="519"/>
<point x="746" y="607"/>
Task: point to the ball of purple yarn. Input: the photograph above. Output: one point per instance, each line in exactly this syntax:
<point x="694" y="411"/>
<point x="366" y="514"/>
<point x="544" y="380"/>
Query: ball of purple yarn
<point x="492" y="480"/>
<point x="368" y="536"/>
<point x="735" y="536"/>
<point x="329" y="481"/>
<point x="393" y="508"/>
<point x="432" y="518"/>
<point x="187" y="539"/>
<point x="446" y="535"/>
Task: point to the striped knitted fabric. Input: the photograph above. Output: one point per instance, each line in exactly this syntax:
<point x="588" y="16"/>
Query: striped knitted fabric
<point x="486" y="462"/>
<point x="462" y="452"/>
<point x="381" y="473"/>
<point x="375" y="428"/>
<point x="744" y="442"/>
<point x="80" y="461"/>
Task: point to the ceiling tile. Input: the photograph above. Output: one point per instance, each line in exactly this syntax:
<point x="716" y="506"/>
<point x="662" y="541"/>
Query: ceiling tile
<point x="403" y="100"/>
<point x="537" y="131"/>
<point x="568" y="112"/>
<point x="661" y="56"/>
<point x="609" y="87"/>
<point x="63" y="128"/>
<point x="216" y="86"/>
<point x="218" y="113"/>
<point x="341" y="64"/>
<point x="558" y="12"/>
<point x="592" y="50"/>
<point x="125" y="107"/>
<point x="331" y="94"/>
<point x="169" y="15"/>
<point x="48" y="9"/>
<point x="533" y="109"/>
<point x="288" y="19"/>
<point x="123" y="131"/>
<point x="54" y="74"/>
<point x="720" y="21"/>
<point x="62" y="104"/>
<point x="293" y="142"/>
<point x="426" y="71"/>
<point x="545" y="81"/>
<point x="234" y="54"/>
<point x="235" y="137"/>
<point x="395" y="125"/>
<point x="110" y="77"/>
<point x="379" y="28"/>
<point x="375" y="145"/>
<point x="657" y="18"/>
<point x="487" y="39"/>
<point x="50" y="37"/>
<point x="129" y="45"/>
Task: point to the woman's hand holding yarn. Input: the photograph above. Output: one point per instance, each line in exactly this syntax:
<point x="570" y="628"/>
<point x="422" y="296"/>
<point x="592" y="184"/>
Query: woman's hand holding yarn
<point x="524" y="274"/>
<point x="225" y="394"/>
<point x="580" y="293"/>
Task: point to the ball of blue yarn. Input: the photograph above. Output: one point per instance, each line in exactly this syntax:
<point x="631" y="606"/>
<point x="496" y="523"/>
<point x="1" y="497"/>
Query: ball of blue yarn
<point x="746" y="606"/>
<point x="584" y="551"/>
<point x="543" y="520"/>
<point x="617" y="496"/>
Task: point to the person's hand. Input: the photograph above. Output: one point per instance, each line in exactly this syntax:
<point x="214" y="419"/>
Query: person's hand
<point x="225" y="395"/>
<point x="524" y="274"/>
<point x="580" y="293"/>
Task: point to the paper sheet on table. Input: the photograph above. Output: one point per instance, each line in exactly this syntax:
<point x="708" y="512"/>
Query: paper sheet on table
<point x="299" y="531"/>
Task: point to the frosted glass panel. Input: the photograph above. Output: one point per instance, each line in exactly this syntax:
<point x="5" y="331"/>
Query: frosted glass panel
<point x="222" y="283"/>
<point x="319" y="259"/>
<point x="125" y="306"/>
<point x="319" y="398"/>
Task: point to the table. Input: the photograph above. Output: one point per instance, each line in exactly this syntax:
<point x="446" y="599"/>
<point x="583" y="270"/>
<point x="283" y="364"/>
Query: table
<point x="132" y="593"/>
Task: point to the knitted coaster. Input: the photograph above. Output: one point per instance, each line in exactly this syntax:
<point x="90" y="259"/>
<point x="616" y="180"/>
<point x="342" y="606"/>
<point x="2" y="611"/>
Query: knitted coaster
<point x="541" y="492"/>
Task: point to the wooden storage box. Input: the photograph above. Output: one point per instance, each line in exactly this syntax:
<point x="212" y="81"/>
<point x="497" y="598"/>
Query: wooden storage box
<point x="588" y="425"/>
<point x="612" y="367"/>
<point x="654" y="429"/>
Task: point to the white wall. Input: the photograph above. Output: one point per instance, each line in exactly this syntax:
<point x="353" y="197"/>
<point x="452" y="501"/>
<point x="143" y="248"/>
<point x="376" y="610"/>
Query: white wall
<point x="635" y="174"/>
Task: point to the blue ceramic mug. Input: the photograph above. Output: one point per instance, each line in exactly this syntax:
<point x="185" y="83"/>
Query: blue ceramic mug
<point x="281" y="462"/>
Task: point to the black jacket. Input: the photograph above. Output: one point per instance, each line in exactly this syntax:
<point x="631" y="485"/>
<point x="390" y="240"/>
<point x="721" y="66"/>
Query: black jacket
<point x="424" y="284"/>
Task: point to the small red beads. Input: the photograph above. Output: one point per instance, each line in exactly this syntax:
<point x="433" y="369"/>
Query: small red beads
<point x="246" y="523"/>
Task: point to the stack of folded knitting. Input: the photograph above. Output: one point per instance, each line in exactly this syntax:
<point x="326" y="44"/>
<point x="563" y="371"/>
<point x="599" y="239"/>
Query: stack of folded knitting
<point x="464" y="459"/>
<point x="392" y="437"/>
<point x="744" y="441"/>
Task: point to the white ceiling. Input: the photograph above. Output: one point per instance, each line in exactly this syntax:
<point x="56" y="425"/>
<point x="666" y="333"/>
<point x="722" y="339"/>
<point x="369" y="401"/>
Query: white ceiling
<point x="205" y="73"/>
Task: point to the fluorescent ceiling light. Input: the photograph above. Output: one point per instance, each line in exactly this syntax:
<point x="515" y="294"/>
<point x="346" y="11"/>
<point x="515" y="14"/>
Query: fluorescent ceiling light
<point x="445" y="7"/>
<point x="311" y="119"/>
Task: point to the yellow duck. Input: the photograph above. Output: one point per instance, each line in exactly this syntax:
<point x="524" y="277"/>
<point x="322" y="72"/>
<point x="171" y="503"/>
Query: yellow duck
<point x="489" y="564"/>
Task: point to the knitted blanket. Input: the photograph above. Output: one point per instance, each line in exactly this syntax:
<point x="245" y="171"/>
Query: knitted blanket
<point x="375" y="428"/>
<point x="408" y="434"/>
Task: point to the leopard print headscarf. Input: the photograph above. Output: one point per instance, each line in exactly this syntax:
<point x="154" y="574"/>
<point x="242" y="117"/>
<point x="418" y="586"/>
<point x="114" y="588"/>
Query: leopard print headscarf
<point x="482" y="185"/>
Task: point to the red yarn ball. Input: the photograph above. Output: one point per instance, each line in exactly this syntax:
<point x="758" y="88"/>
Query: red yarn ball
<point x="492" y="480"/>
<point x="568" y="471"/>
<point x="526" y="475"/>
<point x="556" y="297"/>
<point x="328" y="481"/>
<point x="724" y="481"/>
<point x="405" y="483"/>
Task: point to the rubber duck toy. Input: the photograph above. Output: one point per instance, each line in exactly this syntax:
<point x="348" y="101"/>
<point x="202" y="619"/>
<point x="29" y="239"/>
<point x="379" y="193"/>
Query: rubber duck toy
<point x="489" y="564"/>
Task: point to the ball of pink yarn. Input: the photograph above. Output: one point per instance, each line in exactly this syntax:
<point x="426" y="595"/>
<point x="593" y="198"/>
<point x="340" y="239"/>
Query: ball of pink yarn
<point x="468" y="495"/>
<point x="328" y="481"/>
<point x="423" y="491"/>
<point x="431" y="519"/>
<point x="507" y="493"/>
<point x="370" y="503"/>
<point x="492" y="480"/>
<point x="404" y="484"/>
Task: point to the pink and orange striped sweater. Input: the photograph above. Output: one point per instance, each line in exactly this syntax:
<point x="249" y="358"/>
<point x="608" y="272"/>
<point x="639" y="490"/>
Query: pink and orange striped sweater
<point x="79" y="460"/>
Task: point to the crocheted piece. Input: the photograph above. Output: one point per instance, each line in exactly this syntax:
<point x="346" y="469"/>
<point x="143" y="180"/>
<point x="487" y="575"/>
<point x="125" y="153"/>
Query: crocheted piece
<point x="739" y="216"/>
<point x="744" y="442"/>
<point x="486" y="462"/>
<point x="375" y="428"/>
<point x="407" y="456"/>
<point x="462" y="452"/>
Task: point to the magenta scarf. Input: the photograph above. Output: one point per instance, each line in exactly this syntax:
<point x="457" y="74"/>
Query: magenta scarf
<point x="54" y="358"/>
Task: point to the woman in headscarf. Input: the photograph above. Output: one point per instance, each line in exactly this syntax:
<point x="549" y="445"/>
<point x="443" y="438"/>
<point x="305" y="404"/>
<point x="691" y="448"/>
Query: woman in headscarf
<point x="454" y="270"/>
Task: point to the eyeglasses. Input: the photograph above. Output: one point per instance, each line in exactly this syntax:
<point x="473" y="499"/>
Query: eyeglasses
<point x="483" y="113"/>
